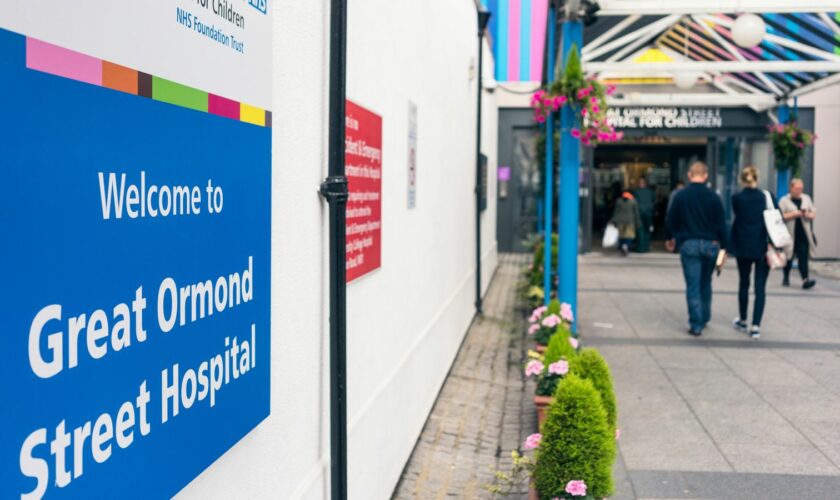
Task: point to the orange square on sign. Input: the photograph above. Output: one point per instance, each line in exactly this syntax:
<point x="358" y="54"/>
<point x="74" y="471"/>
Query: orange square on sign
<point x="119" y="78"/>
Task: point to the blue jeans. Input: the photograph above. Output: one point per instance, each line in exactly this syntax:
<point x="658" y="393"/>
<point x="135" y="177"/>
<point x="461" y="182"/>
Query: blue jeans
<point x="698" y="262"/>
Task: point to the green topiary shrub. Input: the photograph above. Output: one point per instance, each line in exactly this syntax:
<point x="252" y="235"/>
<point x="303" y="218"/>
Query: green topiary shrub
<point x="558" y="346"/>
<point x="590" y="365"/>
<point x="577" y="442"/>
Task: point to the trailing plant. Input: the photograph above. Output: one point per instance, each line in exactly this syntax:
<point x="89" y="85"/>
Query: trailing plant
<point x="577" y="449"/>
<point x="587" y="99"/>
<point x="590" y="365"/>
<point x="789" y="143"/>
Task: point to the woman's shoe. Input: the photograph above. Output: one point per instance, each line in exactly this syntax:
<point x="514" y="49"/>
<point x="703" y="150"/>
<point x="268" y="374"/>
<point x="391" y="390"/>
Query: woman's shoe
<point x="739" y="325"/>
<point x="809" y="283"/>
<point x="755" y="332"/>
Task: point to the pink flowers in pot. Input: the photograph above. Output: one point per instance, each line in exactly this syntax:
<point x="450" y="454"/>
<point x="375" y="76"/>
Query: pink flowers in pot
<point x="534" y="367"/>
<point x="566" y="312"/>
<point x="537" y="313"/>
<point x="551" y="321"/>
<point x="559" y="368"/>
<point x="532" y="442"/>
<point x="576" y="488"/>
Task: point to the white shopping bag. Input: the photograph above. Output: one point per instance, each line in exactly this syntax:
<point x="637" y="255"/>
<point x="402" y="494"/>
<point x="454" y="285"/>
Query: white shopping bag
<point x="775" y="224"/>
<point x="610" y="236"/>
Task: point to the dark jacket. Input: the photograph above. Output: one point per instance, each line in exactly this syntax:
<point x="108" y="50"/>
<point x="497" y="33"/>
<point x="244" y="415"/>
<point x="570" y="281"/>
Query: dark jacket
<point x="749" y="239"/>
<point x="697" y="214"/>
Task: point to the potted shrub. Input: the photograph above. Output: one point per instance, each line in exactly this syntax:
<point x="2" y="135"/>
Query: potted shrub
<point x="549" y="370"/>
<point x="590" y="365"/>
<point x="577" y="448"/>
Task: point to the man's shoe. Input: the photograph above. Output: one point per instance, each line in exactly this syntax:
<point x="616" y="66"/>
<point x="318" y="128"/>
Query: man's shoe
<point x="809" y="284"/>
<point x="785" y="281"/>
<point x="739" y="325"/>
<point x="755" y="332"/>
<point x="694" y="333"/>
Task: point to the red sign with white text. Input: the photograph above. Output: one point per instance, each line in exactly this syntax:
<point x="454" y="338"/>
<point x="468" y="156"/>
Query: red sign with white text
<point x="363" y="166"/>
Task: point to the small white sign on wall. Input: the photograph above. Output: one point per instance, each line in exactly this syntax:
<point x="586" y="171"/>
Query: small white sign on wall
<point x="412" y="155"/>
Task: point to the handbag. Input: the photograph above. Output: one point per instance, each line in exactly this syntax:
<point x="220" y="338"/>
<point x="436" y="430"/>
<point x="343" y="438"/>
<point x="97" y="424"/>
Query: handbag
<point x="775" y="224"/>
<point x="610" y="236"/>
<point x="776" y="258"/>
<point x="779" y="235"/>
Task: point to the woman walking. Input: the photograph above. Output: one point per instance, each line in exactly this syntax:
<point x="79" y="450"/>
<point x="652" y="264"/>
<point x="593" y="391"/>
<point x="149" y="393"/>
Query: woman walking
<point x="748" y="243"/>
<point x="626" y="218"/>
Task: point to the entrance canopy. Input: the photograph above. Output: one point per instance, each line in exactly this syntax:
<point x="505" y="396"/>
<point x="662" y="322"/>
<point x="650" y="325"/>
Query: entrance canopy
<point x="687" y="52"/>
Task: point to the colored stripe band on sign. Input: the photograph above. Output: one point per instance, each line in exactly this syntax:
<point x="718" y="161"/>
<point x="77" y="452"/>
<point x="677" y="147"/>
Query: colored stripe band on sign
<point x="52" y="59"/>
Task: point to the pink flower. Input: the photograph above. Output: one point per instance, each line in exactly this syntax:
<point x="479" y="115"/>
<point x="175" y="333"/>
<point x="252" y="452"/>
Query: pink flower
<point x="593" y="100"/>
<point x="619" y="136"/>
<point x="533" y="367"/>
<point x="540" y="118"/>
<point x="576" y="488"/>
<point x="589" y="133"/>
<point x="539" y="311"/>
<point x="583" y="112"/>
<point x="566" y="312"/>
<point x="561" y="99"/>
<point x="551" y="321"/>
<point x="611" y="89"/>
<point x="596" y="123"/>
<point x="575" y="133"/>
<point x="585" y="141"/>
<point x="596" y="109"/>
<point x="532" y="442"/>
<point x="533" y="329"/>
<point x="559" y="368"/>
<point x="575" y="342"/>
<point x="617" y="434"/>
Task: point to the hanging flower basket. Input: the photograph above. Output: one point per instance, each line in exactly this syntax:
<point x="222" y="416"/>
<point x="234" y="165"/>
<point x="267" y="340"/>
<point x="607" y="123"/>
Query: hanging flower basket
<point x="789" y="143"/>
<point x="586" y="97"/>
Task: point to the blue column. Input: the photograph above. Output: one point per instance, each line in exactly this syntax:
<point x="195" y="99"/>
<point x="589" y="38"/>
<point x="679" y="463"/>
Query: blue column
<point x="569" y="185"/>
<point x="548" y="202"/>
<point x="782" y="176"/>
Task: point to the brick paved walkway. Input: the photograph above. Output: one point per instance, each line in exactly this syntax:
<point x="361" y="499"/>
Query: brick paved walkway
<point x="483" y="411"/>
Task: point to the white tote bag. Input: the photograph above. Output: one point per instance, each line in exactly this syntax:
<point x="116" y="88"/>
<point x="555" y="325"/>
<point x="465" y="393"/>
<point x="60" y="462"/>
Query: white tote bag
<point x="775" y="224"/>
<point x="610" y="236"/>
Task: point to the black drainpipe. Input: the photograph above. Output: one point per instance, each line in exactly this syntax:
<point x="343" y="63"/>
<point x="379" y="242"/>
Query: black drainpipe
<point x="483" y="19"/>
<point x="334" y="189"/>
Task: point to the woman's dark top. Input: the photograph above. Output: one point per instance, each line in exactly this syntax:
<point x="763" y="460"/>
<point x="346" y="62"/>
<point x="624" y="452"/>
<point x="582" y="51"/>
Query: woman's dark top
<point x="749" y="239"/>
<point x="799" y="227"/>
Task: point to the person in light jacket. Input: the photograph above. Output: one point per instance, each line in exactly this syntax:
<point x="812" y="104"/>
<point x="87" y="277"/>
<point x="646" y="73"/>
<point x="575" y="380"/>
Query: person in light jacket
<point x="799" y="213"/>
<point x="626" y="218"/>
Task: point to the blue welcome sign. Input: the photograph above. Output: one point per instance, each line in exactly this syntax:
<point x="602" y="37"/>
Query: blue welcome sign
<point x="135" y="226"/>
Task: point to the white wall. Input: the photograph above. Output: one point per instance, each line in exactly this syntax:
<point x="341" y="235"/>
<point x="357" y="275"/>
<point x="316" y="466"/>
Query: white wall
<point x="405" y="320"/>
<point x="826" y="168"/>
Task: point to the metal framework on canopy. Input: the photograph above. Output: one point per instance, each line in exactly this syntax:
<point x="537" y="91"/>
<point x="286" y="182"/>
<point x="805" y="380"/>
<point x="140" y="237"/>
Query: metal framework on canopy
<point x="799" y="52"/>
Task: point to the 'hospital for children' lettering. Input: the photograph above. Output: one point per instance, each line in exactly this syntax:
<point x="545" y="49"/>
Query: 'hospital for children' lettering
<point x="664" y="118"/>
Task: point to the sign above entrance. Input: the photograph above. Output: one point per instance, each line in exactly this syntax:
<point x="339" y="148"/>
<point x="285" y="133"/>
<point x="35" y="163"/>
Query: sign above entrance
<point x="665" y="118"/>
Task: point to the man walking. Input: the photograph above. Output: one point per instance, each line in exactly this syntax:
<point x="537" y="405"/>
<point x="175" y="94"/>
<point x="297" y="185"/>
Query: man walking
<point x="646" y="199"/>
<point x="697" y="223"/>
<point x="799" y="213"/>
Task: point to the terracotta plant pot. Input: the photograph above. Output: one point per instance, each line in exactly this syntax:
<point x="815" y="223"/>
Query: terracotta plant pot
<point x="540" y="348"/>
<point x="532" y="492"/>
<point x="542" y="403"/>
